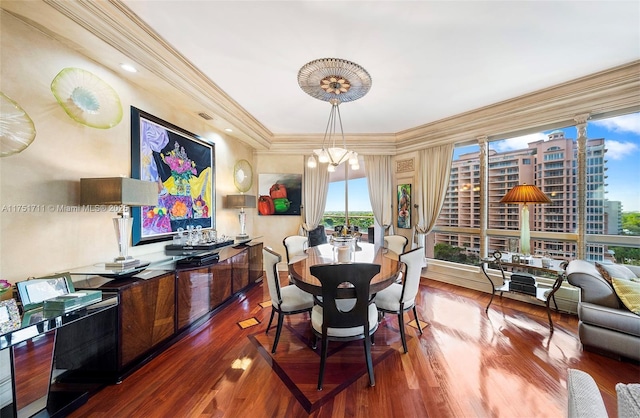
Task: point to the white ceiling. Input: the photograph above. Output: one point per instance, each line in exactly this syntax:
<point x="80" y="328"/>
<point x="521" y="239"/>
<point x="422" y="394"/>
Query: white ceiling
<point x="428" y="59"/>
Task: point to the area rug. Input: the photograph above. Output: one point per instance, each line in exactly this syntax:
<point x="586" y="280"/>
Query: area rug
<point x="297" y="364"/>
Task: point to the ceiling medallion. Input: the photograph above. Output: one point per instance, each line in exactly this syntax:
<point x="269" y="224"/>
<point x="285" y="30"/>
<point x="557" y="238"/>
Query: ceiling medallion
<point x="336" y="81"/>
<point x="330" y="78"/>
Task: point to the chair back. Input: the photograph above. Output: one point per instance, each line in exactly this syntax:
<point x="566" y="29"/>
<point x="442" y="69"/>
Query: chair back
<point x="332" y="276"/>
<point x="396" y="243"/>
<point x="317" y="236"/>
<point x="271" y="260"/>
<point x="295" y="245"/>
<point x="414" y="261"/>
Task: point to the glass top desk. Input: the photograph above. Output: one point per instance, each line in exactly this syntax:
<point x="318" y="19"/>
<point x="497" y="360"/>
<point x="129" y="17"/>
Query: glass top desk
<point x="534" y="266"/>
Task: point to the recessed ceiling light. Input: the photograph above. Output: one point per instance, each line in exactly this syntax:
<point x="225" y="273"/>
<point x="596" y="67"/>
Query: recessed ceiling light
<point x="129" y="68"/>
<point x="229" y="130"/>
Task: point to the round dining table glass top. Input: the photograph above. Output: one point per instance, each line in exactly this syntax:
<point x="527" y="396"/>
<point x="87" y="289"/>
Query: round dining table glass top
<point x="299" y="266"/>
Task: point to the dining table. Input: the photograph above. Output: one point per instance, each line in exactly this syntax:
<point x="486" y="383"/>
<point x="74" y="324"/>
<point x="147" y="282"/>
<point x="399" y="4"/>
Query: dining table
<point x="299" y="267"/>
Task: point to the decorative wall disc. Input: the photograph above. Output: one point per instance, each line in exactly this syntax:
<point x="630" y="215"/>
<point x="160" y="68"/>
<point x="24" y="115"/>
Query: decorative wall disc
<point x="87" y="99"/>
<point x="334" y="78"/>
<point x="243" y="176"/>
<point x="17" y="131"/>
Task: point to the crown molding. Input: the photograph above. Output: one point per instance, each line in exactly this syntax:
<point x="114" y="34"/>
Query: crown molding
<point x="111" y="23"/>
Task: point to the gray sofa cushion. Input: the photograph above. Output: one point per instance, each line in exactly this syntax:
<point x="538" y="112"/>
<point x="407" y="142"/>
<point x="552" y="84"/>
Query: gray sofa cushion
<point x="615" y="319"/>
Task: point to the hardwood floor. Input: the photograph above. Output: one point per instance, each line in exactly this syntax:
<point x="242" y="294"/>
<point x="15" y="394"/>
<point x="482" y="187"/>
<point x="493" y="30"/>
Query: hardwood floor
<point x="466" y="364"/>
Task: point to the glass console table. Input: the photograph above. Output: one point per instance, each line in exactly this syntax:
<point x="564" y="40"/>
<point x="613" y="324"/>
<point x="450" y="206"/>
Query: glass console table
<point x="534" y="266"/>
<point x="47" y="358"/>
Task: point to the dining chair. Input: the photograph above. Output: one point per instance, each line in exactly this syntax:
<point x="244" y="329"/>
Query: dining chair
<point x="317" y="236"/>
<point x="399" y="298"/>
<point x="396" y="243"/>
<point x="285" y="300"/>
<point x="295" y="245"/>
<point x="345" y="319"/>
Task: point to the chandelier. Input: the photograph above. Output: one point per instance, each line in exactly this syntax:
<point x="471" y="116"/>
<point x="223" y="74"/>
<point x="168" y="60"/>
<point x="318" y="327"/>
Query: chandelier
<point x="335" y="81"/>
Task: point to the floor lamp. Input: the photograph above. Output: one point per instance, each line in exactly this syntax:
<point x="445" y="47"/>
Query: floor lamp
<point x="525" y="194"/>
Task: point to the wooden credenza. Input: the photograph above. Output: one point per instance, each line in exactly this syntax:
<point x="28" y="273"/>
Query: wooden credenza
<point x="153" y="313"/>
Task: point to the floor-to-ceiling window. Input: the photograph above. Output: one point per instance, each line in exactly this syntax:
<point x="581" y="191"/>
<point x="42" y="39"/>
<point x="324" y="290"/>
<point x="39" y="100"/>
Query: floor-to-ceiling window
<point x="549" y="160"/>
<point x="613" y="174"/>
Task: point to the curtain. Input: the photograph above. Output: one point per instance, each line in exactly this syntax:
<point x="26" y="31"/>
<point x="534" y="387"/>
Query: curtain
<point x="378" y="171"/>
<point x="433" y="181"/>
<point x="316" y="187"/>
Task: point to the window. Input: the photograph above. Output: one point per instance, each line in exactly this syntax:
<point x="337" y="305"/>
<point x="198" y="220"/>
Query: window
<point x="613" y="197"/>
<point x="348" y="198"/>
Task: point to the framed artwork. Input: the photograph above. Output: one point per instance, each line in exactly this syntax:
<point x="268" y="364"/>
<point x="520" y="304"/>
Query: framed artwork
<point x="404" y="206"/>
<point x="279" y="194"/>
<point x="183" y="166"/>
<point x="9" y="316"/>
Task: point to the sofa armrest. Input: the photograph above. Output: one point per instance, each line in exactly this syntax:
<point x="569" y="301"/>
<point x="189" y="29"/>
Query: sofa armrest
<point x="585" y="400"/>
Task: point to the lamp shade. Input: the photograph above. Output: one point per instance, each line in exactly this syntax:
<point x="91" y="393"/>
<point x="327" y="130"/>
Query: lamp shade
<point x="241" y="201"/>
<point x="525" y="193"/>
<point x="118" y="191"/>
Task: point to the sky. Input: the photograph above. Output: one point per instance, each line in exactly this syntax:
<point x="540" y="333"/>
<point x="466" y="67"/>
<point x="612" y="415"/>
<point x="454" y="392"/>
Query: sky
<point x="622" y="140"/>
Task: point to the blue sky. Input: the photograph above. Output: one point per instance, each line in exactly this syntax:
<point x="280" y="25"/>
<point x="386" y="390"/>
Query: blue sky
<point x="622" y="140"/>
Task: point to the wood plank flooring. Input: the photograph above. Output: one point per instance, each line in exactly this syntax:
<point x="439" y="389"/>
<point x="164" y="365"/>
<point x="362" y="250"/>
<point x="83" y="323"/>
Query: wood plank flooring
<point x="466" y="364"/>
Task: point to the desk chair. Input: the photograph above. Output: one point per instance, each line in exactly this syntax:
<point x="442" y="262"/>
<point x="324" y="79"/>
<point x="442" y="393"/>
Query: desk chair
<point x="345" y="319"/>
<point x="399" y="298"/>
<point x="396" y="243"/>
<point x="287" y="300"/>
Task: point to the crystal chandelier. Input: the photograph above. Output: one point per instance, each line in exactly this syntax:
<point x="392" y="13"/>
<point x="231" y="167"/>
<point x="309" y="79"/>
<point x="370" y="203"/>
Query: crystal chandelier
<point x="335" y="81"/>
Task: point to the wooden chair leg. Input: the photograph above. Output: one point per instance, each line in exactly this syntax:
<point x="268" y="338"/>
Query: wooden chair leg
<point x="323" y="361"/>
<point x="367" y="354"/>
<point x="403" y="337"/>
<point x="415" y="315"/>
<point x="273" y="311"/>
<point x="278" y="330"/>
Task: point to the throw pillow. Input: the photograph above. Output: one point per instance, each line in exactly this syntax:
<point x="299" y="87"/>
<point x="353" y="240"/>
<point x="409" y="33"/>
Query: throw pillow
<point x="603" y="272"/>
<point x="619" y="271"/>
<point x="629" y="293"/>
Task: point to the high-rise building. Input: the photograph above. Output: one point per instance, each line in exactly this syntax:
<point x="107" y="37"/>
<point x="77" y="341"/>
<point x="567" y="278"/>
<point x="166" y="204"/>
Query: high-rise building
<point x="551" y="165"/>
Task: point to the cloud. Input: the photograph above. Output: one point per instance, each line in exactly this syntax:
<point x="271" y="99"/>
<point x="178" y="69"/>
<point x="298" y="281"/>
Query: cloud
<point x="617" y="150"/>
<point x="624" y="123"/>
<point x="519" y="142"/>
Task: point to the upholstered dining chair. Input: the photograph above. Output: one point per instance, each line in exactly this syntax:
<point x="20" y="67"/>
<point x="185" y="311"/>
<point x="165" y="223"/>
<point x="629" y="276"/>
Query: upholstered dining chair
<point x="399" y="298"/>
<point x="345" y="319"/>
<point x="396" y="243"/>
<point x="286" y="300"/>
<point x="295" y="245"/>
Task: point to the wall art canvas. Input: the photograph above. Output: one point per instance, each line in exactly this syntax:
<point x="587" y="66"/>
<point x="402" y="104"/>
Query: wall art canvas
<point x="182" y="165"/>
<point x="279" y="194"/>
<point x="404" y="206"/>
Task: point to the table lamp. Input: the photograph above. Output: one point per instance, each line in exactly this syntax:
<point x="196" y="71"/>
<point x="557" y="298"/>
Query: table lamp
<point x="123" y="192"/>
<point x="525" y="194"/>
<point x="241" y="201"/>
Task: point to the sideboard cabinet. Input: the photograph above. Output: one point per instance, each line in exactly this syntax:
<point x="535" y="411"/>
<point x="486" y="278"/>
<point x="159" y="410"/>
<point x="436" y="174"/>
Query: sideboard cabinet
<point x="154" y="312"/>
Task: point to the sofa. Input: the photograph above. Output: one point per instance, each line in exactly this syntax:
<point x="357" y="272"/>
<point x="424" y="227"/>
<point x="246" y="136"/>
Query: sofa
<point x="605" y="324"/>
<point x="585" y="400"/>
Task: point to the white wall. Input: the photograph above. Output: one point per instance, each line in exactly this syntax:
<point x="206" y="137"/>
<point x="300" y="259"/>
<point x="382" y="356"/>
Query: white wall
<point x="41" y="242"/>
